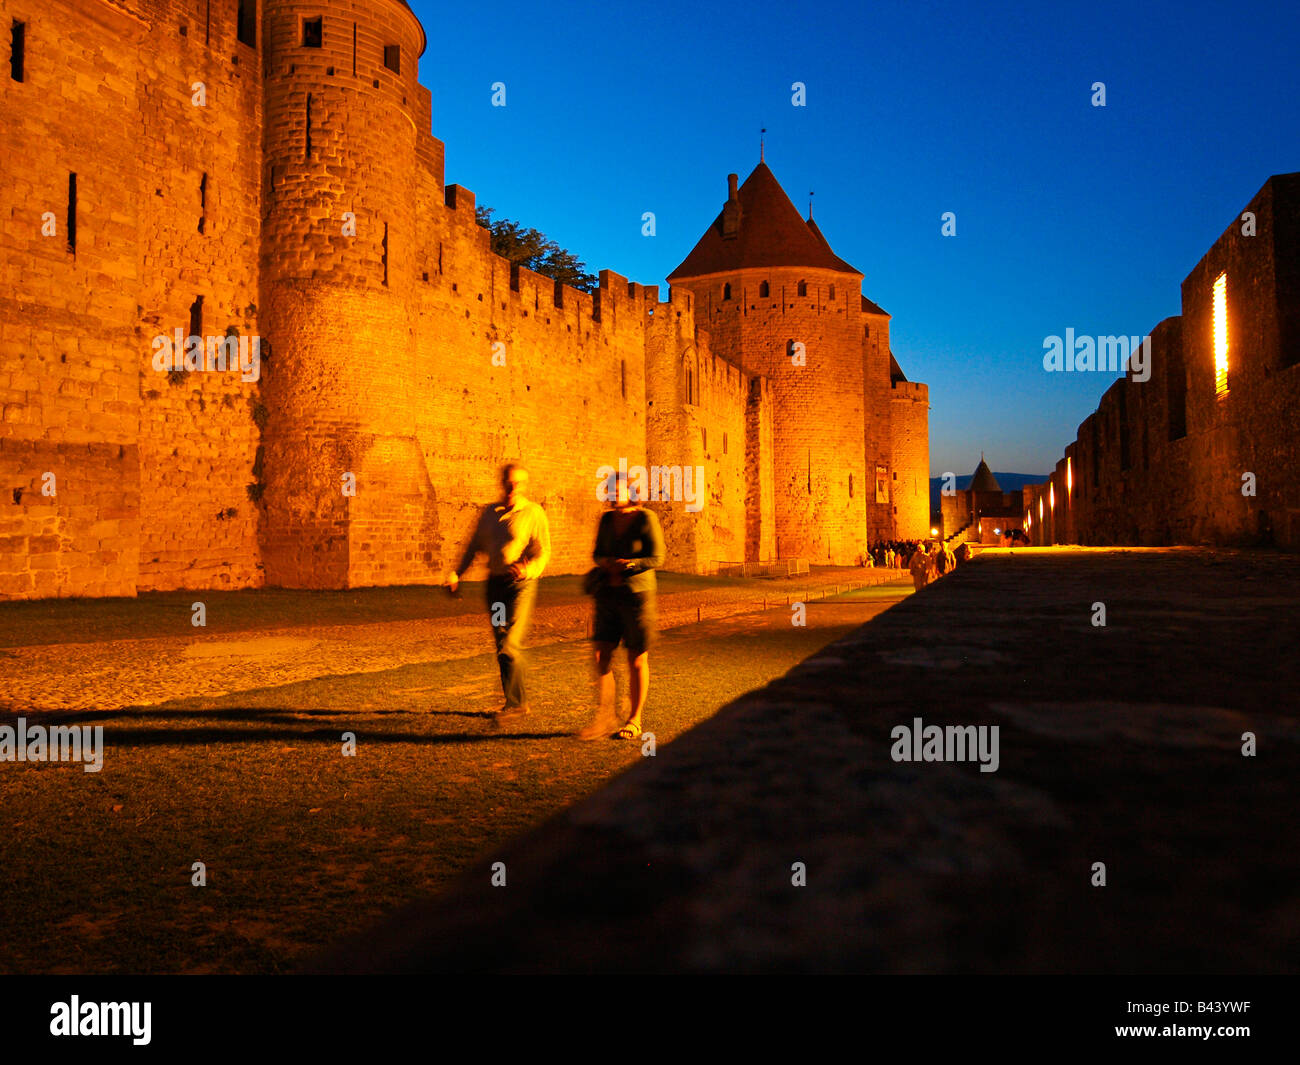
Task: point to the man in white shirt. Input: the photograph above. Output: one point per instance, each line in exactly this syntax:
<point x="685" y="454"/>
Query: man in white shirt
<point x="516" y="537"/>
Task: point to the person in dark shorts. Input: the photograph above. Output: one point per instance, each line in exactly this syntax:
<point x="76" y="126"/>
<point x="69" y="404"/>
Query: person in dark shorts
<point x="629" y="548"/>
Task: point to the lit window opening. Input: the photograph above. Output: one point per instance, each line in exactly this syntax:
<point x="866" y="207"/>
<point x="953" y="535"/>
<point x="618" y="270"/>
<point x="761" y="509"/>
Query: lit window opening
<point x="1221" y="335"/>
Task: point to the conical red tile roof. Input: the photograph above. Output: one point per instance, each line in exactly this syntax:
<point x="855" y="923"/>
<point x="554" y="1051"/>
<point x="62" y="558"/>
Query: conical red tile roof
<point x="771" y="233"/>
<point x="983" y="480"/>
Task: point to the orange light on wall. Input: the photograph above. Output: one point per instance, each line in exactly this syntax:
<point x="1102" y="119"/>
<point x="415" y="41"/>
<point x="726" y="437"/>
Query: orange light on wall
<point x="1029" y="519"/>
<point x="1051" y="493"/>
<point x="1069" y="477"/>
<point x="1221" y="335"/>
<point x="1040" y="508"/>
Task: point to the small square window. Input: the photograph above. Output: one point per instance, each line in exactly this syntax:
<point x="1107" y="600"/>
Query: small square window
<point x="312" y="32"/>
<point x="393" y="57"/>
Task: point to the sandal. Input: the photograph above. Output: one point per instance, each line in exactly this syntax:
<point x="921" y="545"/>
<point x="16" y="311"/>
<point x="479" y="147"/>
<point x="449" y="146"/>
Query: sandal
<point x="630" y="731"/>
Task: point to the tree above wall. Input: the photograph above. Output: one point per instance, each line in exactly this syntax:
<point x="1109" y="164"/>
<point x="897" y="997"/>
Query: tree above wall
<point x="535" y="251"/>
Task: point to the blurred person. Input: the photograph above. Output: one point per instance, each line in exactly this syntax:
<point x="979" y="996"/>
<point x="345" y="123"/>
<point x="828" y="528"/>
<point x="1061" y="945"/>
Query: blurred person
<point x="920" y="566"/>
<point x="515" y="536"/>
<point x="629" y="548"/>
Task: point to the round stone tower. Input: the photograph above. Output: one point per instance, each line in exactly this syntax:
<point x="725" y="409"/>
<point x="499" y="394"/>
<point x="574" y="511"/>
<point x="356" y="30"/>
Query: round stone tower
<point x="341" y="472"/>
<point x="777" y="301"/>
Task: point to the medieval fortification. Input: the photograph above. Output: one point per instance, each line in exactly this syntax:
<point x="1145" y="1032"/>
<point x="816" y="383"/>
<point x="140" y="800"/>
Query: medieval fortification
<point x="1202" y="447"/>
<point x="265" y="169"/>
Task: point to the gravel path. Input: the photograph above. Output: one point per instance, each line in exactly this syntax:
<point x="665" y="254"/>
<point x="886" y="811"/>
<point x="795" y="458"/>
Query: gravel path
<point x="107" y="675"/>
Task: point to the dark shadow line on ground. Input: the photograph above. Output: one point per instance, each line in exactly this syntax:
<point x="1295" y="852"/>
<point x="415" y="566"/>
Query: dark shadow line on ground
<point x="178" y="714"/>
<point x="186" y="737"/>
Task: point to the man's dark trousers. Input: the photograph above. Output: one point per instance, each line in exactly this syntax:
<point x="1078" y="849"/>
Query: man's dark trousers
<point x="511" y="602"/>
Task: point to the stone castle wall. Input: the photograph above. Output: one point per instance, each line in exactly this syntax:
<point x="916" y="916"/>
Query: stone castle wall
<point x="1162" y="461"/>
<point x="116" y="476"/>
<point x="910" y="452"/>
<point x="704" y="413"/>
<point x="303" y="203"/>
<point x="821" y="481"/>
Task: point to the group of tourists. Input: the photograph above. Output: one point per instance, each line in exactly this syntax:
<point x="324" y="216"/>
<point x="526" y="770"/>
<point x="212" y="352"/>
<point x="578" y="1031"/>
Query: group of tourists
<point x="933" y="559"/>
<point x="889" y="554"/>
<point x="515" y="536"/>
<point x="926" y="560"/>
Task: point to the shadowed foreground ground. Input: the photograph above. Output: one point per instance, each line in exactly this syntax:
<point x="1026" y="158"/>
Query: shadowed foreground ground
<point x="1119" y="744"/>
<point x="243" y="769"/>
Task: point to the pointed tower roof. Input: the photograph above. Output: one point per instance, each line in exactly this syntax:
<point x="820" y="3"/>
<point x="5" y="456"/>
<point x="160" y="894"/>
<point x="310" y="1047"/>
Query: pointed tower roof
<point x="895" y="371"/>
<point x="982" y="480"/>
<point x="759" y="226"/>
<point x="816" y="232"/>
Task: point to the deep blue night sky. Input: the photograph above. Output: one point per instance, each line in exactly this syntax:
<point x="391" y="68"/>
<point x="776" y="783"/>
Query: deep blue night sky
<point x="1068" y="215"/>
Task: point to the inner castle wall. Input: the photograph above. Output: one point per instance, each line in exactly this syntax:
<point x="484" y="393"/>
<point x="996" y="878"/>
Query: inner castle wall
<point x="1174" y="460"/>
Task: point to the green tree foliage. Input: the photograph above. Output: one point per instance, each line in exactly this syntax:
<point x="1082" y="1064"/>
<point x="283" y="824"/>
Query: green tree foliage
<point x="535" y="251"/>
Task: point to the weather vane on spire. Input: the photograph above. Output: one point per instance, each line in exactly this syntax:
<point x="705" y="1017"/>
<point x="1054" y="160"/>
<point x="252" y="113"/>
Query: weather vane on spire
<point x="761" y="134"/>
<point x="810" y="196"/>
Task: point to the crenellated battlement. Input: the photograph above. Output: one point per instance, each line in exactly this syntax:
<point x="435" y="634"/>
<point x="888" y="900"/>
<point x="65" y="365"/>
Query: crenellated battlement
<point x="911" y="390"/>
<point x="304" y="202"/>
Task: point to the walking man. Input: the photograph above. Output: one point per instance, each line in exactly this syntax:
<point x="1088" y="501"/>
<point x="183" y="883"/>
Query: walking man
<point x="516" y="537"/>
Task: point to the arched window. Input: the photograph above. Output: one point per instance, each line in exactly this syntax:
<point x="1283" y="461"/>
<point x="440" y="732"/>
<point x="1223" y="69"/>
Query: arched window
<point x="764" y="290"/>
<point x="726" y="291"/>
<point x="803" y="288"/>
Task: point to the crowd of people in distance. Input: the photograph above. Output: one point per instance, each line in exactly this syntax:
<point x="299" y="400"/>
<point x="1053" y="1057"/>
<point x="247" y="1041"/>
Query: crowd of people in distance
<point x="926" y="560"/>
<point x="889" y="554"/>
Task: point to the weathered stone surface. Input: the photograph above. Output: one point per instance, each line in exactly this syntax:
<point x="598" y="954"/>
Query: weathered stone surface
<point x="295" y="194"/>
<point x="1119" y="744"/>
<point x="1163" y="460"/>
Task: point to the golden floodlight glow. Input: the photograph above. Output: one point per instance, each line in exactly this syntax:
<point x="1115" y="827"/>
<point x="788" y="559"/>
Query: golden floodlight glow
<point x="1051" y="493"/>
<point x="1040" y="508"/>
<point x="934" y="532"/>
<point x="1221" y="335"/>
<point x="1069" y="477"/>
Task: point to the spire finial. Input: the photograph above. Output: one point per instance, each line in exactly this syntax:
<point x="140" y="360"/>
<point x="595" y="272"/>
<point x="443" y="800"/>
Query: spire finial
<point x="810" y="196"/>
<point x="761" y="134"/>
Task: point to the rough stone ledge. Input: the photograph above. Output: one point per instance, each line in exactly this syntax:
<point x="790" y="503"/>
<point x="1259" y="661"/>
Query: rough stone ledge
<point x="1119" y="744"/>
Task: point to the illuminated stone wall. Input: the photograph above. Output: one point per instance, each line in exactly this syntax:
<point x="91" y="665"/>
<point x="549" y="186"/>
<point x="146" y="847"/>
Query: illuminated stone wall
<point x="1164" y="461"/>
<point x="831" y="402"/>
<point x="291" y="193"/>
<point x="147" y="472"/>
